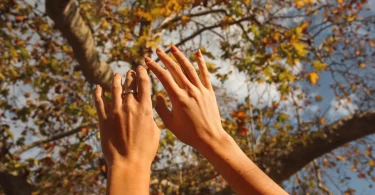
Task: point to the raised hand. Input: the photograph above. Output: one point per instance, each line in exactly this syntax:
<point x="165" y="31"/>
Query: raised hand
<point x="195" y="120"/>
<point x="129" y="135"/>
<point x="195" y="117"/>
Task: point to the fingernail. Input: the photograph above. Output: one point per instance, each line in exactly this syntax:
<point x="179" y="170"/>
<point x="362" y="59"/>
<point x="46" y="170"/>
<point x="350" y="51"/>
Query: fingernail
<point x="199" y="53"/>
<point x="140" y="67"/>
<point x="174" y="49"/>
<point x="147" y="59"/>
<point x="158" y="50"/>
<point x="143" y="66"/>
<point x="130" y="72"/>
<point x="159" y="98"/>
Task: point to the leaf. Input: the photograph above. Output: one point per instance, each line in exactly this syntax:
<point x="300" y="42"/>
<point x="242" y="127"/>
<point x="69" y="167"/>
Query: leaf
<point x="299" y="3"/>
<point x="362" y="65"/>
<point x="313" y="77"/>
<point x="300" y="48"/>
<point x="322" y="121"/>
<point x="104" y="24"/>
<point x="319" y="66"/>
<point x="185" y="19"/>
<point x="302" y="28"/>
<point x="371" y="163"/>
<point x="318" y="98"/>
<point x="20" y="18"/>
<point x="282" y="117"/>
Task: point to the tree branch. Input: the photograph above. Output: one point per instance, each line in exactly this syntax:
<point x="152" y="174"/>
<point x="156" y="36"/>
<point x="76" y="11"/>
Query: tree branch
<point x="68" y="20"/>
<point x="15" y="184"/>
<point x="200" y="31"/>
<point x="170" y="21"/>
<point x="53" y="138"/>
<point x="321" y="142"/>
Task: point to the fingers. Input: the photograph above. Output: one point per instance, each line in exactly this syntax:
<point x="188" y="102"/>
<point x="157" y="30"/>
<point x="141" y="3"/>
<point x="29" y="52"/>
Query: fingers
<point x="187" y="66"/>
<point x="144" y="90"/>
<point x="204" y="75"/>
<point x="131" y="84"/>
<point x="116" y="92"/>
<point x="173" y="68"/>
<point x="163" y="111"/>
<point x="99" y="104"/>
<point x="169" y="84"/>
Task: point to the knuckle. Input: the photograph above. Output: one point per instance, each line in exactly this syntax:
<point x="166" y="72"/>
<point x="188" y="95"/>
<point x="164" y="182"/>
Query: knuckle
<point x="147" y="111"/>
<point x="181" y="98"/>
<point x="117" y="112"/>
<point x="164" y="74"/>
<point x="140" y="68"/>
<point x="143" y="78"/>
<point x="116" y="86"/>
<point x="129" y="108"/>
<point x="192" y="92"/>
<point x="98" y="101"/>
<point x="129" y="73"/>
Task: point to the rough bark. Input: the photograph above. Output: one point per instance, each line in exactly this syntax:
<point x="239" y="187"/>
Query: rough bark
<point x="328" y="138"/>
<point x="65" y="14"/>
<point x="14" y="184"/>
<point x="67" y="19"/>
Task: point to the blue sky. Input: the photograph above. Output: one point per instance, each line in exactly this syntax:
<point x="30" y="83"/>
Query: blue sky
<point x="235" y="86"/>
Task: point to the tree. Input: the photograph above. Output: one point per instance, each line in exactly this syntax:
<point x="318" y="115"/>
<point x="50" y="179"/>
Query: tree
<point x="299" y="61"/>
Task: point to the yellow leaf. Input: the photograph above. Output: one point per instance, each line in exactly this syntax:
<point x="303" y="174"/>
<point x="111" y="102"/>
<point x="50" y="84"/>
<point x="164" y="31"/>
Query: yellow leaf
<point x="340" y="1"/>
<point x="300" y="48"/>
<point x="299" y="3"/>
<point x="318" y="98"/>
<point x="185" y="18"/>
<point x="371" y="163"/>
<point x="319" y="66"/>
<point x="104" y="24"/>
<point x="322" y="121"/>
<point x="362" y="65"/>
<point x="260" y="81"/>
<point x="303" y="27"/>
<point x="313" y="78"/>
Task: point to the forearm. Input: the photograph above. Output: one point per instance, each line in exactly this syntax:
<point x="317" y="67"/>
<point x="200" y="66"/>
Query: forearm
<point x="236" y="168"/>
<point x="128" y="179"/>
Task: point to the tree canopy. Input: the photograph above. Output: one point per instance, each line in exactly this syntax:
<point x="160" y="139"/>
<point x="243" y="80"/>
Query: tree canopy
<point x="294" y="81"/>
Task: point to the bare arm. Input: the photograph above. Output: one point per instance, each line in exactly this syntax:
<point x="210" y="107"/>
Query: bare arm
<point x="195" y="120"/>
<point x="129" y="135"/>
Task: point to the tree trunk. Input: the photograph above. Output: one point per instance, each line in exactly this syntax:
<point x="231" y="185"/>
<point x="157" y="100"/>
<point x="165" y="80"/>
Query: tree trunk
<point x="68" y="20"/>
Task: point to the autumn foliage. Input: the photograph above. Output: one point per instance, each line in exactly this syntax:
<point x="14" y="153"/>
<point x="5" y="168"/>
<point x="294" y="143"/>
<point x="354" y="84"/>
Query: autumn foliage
<point x="294" y="81"/>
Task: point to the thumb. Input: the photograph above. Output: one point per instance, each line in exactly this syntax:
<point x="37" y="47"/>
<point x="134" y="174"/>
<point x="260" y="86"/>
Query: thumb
<point x="163" y="111"/>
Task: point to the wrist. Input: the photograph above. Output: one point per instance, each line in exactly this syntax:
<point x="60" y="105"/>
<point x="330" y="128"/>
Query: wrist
<point x="125" y="167"/>
<point x="128" y="178"/>
<point x="218" y="140"/>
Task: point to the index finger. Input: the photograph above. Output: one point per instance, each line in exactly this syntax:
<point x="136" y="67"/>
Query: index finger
<point x="166" y="80"/>
<point x="144" y="87"/>
<point x="116" y="92"/>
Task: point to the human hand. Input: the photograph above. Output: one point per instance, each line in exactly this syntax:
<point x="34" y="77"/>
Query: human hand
<point x="128" y="131"/>
<point x="194" y="118"/>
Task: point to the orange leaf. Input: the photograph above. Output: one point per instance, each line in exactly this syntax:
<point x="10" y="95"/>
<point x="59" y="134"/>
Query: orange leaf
<point x="362" y="65"/>
<point x="313" y="78"/>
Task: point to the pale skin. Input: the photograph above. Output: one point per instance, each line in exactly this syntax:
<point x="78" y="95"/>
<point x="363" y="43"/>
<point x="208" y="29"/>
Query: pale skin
<point x="130" y="136"/>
